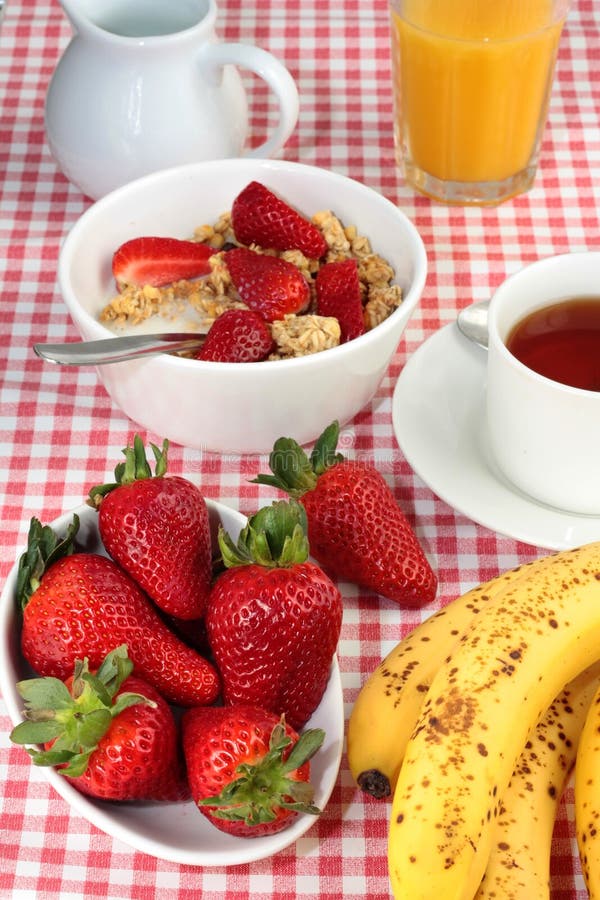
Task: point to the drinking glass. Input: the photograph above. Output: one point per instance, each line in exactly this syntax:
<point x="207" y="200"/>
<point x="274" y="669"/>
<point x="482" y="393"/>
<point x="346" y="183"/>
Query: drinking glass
<point x="472" y="81"/>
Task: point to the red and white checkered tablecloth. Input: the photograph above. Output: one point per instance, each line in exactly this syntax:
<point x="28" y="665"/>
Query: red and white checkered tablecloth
<point x="60" y="433"/>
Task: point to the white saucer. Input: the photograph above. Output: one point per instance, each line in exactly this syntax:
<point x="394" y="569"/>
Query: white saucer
<point x="439" y="423"/>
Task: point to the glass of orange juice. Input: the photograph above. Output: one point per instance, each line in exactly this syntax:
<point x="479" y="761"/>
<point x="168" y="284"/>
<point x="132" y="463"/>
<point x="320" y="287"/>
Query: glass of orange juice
<point x="472" y="81"/>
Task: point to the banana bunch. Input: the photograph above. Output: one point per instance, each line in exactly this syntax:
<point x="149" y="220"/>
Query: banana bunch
<point x="443" y="720"/>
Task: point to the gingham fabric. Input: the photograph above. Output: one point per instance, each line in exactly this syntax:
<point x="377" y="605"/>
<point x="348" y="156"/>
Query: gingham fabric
<point x="60" y="433"/>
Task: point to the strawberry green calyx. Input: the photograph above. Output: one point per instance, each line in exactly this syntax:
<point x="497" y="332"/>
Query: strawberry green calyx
<point x="74" y="720"/>
<point x="135" y="468"/>
<point x="263" y="787"/>
<point x="275" y="537"/>
<point x="44" y="547"/>
<point x="294" y="471"/>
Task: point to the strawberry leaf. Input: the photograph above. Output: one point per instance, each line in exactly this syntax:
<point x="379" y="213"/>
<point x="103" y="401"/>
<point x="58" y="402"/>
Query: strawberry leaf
<point x="127" y="699"/>
<point x="75" y="764"/>
<point x="44" y="548"/>
<point x="75" y="720"/>
<point x="295" y="472"/>
<point x="275" y="537"/>
<point x="324" y="454"/>
<point x="135" y="468"/>
<point x="35" y="732"/>
<point x="115" y="668"/>
<point x="48" y="757"/>
<point x="304" y="749"/>
<point x="84" y="730"/>
<point x="45" y="694"/>
<point x="264" y="787"/>
<point x="283" y="526"/>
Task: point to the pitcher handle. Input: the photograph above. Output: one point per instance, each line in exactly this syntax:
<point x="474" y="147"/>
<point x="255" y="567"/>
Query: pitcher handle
<point x="267" y="67"/>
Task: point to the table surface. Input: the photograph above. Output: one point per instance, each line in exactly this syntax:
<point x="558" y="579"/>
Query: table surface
<point x="60" y="432"/>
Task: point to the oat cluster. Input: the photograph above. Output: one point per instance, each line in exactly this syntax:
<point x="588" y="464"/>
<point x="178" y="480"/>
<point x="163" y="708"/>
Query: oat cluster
<point x="294" y="335"/>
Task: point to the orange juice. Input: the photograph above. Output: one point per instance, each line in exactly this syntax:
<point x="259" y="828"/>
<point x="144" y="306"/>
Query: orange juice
<point x="472" y="80"/>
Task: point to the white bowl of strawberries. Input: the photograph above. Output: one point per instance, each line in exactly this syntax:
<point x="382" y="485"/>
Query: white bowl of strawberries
<point x="306" y="278"/>
<point x="121" y="686"/>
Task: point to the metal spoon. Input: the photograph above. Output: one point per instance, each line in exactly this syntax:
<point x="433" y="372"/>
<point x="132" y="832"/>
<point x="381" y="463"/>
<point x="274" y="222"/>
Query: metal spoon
<point x="472" y="321"/>
<point x="119" y="349"/>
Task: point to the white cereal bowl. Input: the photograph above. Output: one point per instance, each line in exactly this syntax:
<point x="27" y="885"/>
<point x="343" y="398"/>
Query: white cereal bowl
<point x="236" y="407"/>
<point x="176" y="832"/>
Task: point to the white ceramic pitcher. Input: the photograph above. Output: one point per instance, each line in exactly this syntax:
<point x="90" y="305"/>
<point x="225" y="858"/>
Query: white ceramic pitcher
<point x="144" y="85"/>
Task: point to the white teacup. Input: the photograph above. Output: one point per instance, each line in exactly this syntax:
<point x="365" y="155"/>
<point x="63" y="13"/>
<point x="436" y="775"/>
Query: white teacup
<point x="544" y="435"/>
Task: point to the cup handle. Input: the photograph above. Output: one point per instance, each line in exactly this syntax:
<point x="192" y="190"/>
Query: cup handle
<point x="267" y="67"/>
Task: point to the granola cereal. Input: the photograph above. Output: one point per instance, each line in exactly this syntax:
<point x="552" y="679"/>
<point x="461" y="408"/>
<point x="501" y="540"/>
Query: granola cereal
<point x="382" y="300"/>
<point x="134" y="304"/>
<point x="334" y="233"/>
<point x="294" y="335"/>
<point x="300" y="335"/>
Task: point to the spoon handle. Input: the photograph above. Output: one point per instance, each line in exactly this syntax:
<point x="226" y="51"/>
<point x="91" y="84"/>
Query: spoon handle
<point x="118" y="349"/>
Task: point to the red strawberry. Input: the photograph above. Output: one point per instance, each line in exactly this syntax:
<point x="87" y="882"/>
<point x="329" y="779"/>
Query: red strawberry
<point x="338" y="295"/>
<point x="79" y="605"/>
<point x="157" y="529"/>
<point x="160" y="260"/>
<point x="271" y="286"/>
<point x="356" y="529"/>
<point x="238" y="335"/>
<point x="273" y="619"/>
<point x="111" y="734"/>
<point x="248" y="771"/>
<point x="260" y="217"/>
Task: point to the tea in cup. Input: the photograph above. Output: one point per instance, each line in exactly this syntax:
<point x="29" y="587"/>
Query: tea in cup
<point x="543" y="381"/>
<point x="472" y="81"/>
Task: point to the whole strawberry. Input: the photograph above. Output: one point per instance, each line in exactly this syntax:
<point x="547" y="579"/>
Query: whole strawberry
<point x="272" y="286"/>
<point x="156" y="528"/>
<point x="258" y="216"/>
<point x="237" y="335"/>
<point x="273" y="619"/>
<point x="356" y="529"/>
<point x="337" y="287"/>
<point x="79" y="605"/>
<point x="248" y="770"/>
<point x="110" y="733"/>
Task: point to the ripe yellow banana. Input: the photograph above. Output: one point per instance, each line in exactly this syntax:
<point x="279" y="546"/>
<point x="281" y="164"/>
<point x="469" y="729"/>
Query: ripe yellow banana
<point x="587" y="799"/>
<point x="503" y="674"/>
<point x="519" y="863"/>
<point x="389" y="703"/>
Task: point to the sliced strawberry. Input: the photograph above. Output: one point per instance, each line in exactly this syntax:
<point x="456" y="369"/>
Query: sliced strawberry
<point x="271" y="286"/>
<point x="338" y="295"/>
<point x="260" y="217"/>
<point x="238" y="335"/>
<point x="160" y="260"/>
